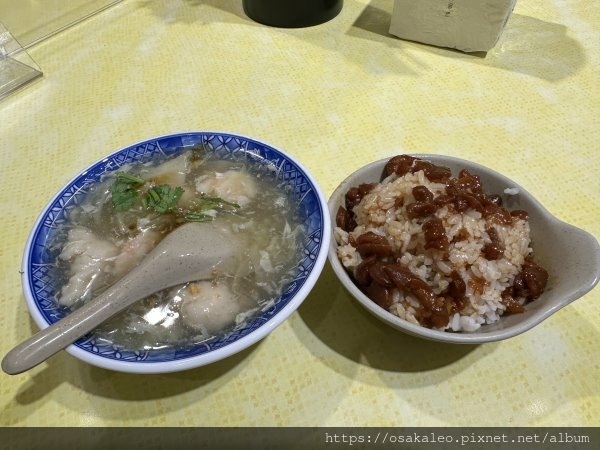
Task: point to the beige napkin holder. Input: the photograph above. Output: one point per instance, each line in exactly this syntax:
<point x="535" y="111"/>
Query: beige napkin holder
<point x="466" y="25"/>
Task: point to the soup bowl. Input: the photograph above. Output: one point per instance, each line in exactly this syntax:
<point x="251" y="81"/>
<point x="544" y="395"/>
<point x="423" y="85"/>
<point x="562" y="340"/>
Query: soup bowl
<point x="571" y="256"/>
<point x="41" y="283"/>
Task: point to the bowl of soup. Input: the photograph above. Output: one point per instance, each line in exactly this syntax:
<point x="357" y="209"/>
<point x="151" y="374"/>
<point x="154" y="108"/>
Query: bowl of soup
<point x="102" y="223"/>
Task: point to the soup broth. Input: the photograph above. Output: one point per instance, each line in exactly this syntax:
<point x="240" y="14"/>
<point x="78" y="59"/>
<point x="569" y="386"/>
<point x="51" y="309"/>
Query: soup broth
<point x="125" y="215"/>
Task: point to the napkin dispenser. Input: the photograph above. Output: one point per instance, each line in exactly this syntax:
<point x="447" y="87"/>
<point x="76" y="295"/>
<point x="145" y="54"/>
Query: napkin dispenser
<point x="466" y="25"/>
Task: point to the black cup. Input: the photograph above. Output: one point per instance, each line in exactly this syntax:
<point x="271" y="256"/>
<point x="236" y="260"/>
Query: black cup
<point x="292" y="13"/>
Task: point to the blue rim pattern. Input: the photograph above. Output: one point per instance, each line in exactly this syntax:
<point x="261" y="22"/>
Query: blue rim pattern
<point x="42" y="281"/>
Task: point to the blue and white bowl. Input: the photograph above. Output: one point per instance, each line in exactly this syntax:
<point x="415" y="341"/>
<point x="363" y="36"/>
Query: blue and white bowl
<point x="40" y="285"/>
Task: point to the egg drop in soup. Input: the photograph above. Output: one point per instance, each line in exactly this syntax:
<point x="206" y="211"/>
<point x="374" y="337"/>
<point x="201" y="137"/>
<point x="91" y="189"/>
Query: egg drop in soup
<point x="130" y="211"/>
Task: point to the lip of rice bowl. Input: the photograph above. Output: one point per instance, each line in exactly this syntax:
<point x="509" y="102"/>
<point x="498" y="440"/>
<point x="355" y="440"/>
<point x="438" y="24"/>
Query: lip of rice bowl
<point x="435" y="249"/>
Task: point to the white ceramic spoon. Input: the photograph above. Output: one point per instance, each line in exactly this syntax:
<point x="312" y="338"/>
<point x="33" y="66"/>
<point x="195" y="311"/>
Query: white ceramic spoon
<point x="191" y="252"/>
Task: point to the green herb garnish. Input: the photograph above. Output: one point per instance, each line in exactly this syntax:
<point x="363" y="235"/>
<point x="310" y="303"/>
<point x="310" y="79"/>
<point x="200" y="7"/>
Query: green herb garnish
<point x="197" y="217"/>
<point x="124" y="191"/>
<point x="163" y="198"/>
<point x="204" y="208"/>
<point x="128" y="189"/>
<point x="204" y="203"/>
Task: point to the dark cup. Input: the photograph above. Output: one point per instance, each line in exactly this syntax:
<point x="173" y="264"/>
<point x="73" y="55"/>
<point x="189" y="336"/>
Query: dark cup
<point x="292" y="13"/>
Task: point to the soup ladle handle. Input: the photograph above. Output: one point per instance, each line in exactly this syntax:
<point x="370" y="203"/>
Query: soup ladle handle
<point x="61" y="334"/>
<point x="193" y="251"/>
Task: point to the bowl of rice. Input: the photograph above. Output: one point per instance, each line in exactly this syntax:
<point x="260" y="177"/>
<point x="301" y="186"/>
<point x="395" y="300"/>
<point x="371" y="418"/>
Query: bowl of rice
<point x="449" y="250"/>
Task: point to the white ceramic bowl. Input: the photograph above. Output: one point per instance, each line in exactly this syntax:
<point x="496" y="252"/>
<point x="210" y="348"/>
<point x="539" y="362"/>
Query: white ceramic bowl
<point x="40" y="285"/>
<point x="570" y="255"/>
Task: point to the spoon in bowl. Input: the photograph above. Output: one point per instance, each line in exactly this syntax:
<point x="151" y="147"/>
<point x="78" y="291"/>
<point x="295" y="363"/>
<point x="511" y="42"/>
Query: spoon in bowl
<point x="194" y="251"/>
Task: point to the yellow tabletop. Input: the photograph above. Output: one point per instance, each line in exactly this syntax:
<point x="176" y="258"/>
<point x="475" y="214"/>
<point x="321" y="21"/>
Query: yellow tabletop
<point x="336" y="96"/>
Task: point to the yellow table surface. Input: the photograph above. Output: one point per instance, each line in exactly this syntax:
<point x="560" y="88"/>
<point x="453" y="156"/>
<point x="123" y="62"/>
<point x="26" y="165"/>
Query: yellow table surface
<point x="336" y="96"/>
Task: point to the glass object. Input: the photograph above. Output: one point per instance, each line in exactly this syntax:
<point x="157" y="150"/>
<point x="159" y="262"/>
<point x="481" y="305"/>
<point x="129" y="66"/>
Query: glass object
<point x="292" y="13"/>
<point x="32" y="21"/>
<point x="16" y="66"/>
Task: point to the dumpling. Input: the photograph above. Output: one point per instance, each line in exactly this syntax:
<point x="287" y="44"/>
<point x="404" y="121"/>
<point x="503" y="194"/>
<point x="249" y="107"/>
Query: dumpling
<point x="172" y="172"/>
<point x="134" y="250"/>
<point x="90" y="257"/>
<point x="232" y="185"/>
<point x="208" y="306"/>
